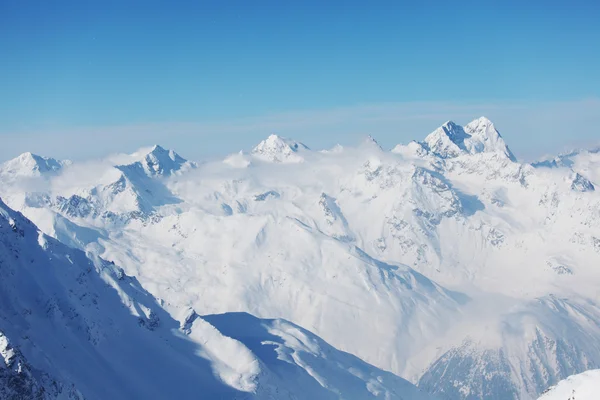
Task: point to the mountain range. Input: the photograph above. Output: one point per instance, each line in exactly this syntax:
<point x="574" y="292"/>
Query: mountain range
<point x="443" y="268"/>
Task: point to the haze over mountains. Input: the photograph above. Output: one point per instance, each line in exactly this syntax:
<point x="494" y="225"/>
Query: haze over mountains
<point x="289" y="272"/>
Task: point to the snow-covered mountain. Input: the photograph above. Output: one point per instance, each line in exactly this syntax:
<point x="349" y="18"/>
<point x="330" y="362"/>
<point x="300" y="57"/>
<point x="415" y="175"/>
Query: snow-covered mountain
<point x="160" y="162"/>
<point x="446" y="261"/>
<point x="584" y="386"/>
<point x="278" y="149"/>
<point x="78" y="328"/>
<point x="115" y="193"/>
<point x="28" y="165"/>
<point x="479" y="136"/>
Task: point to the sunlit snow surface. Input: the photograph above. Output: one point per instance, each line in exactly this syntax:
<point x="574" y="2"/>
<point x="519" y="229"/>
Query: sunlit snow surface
<point x="445" y="262"/>
<point x="73" y="327"/>
<point x="584" y="386"/>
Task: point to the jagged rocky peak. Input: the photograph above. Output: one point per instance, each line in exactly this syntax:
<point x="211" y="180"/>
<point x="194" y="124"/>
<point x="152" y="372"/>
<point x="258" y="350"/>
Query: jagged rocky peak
<point x="278" y="149"/>
<point x="19" y="381"/>
<point x="371" y="143"/>
<point x="162" y="162"/>
<point x="447" y="140"/>
<point x="479" y="136"/>
<point x="581" y="184"/>
<point x="485" y="138"/>
<point x="547" y="163"/>
<point x="11" y="220"/>
<point x="29" y="164"/>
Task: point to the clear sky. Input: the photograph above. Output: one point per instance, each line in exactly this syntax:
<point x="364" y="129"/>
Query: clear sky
<point x="83" y="78"/>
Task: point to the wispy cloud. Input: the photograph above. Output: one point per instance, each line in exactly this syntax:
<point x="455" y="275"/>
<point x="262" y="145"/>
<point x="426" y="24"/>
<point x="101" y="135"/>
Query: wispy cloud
<point x="530" y="128"/>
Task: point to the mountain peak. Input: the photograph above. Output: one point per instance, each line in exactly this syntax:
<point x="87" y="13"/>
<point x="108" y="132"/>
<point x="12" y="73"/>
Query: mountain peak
<point x="486" y="138"/>
<point x="278" y="149"/>
<point x="372" y="142"/>
<point x="448" y="140"/>
<point x="159" y="161"/>
<point x="450" y="124"/>
<point x="29" y="164"/>
<point x="482" y="121"/>
<point x="582" y="184"/>
<point x="27" y="155"/>
<point x="478" y="136"/>
<point x="160" y="152"/>
<point x="157" y="149"/>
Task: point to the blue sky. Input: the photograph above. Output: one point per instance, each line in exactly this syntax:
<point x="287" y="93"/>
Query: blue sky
<point x="82" y="78"/>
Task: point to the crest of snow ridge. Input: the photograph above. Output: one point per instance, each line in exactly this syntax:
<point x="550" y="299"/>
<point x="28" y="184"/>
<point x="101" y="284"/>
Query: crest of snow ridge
<point x="94" y="314"/>
<point x="160" y="162"/>
<point x="28" y="164"/>
<point x="565" y="159"/>
<point x="479" y="136"/>
<point x="582" y="184"/>
<point x="584" y="386"/>
<point x="134" y="193"/>
<point x="579" y="183"/>
<point x="278" y="149"/>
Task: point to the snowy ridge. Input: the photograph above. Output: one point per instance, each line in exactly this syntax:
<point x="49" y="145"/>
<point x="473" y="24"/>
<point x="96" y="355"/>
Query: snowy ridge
<point x="128" y="191"/>
<point x="85" y="321"/>
<point x="18" y="380"/>
<point x="161" y="162"/>
<point x="63" y="310"/>
<point x="279" y="150"/>
<point x="342" y="375"/>
<point x="584" y="386"/>
<point x="453" y="258"/>
<point x="479" y="136"/>
<point x="29" y="165"/>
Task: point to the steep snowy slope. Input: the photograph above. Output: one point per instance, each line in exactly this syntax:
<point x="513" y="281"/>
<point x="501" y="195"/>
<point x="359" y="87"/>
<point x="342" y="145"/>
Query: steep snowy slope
<point x="296" y="364"/>
<point x="479" y="136"/>
<point x="18" y="380"/>
<point x="88" y="324"/>
<point x="162" y="162"/>
<point x="584" y="386"/>
<point x="446" y="261"/>
<point x="73" y="328"/>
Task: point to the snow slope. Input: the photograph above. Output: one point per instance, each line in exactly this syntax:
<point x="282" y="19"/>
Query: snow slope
<point x="73" y="327"/>
<point x="446" y="262"/>
<point x="279" y="150"/>
<point x="584" y="386"/>
<point x="479" y="136"/>
<point x="28" y="165"/>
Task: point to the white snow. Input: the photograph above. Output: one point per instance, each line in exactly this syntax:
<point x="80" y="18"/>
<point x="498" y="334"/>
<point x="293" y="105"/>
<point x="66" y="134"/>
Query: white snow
<point x="278" y="149"/>
<point x="28" y="165"/>
<point x="446" y="262"/>
<point x="74" y="327"/>
<point x="479" y="136"/>
<point x="584" y="386"/>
